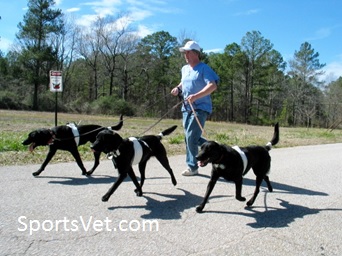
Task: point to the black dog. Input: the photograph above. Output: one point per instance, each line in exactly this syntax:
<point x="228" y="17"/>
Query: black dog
<point x="67" y="137"/>
<point x="233" y="163"/>
<point x="126" y="152"/>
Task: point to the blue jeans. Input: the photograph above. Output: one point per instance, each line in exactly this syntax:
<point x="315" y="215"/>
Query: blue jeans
<point x="193" y="135"/>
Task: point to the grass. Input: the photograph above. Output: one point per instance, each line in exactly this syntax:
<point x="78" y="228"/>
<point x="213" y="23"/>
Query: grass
<point x="15" y="126"/>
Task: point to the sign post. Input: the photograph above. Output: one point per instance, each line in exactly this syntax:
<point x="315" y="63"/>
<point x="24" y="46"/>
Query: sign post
<point x="56" y="86"/>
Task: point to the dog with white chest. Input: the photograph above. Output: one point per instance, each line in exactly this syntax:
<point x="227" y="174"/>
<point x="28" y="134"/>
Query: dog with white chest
<point x="232" y="163"/>
<point x="127" y="152"/>
<point x="68" y="138"/>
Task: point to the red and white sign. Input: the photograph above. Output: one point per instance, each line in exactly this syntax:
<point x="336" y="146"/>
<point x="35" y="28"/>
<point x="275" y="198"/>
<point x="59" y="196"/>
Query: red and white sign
<point x="56" y="81"/>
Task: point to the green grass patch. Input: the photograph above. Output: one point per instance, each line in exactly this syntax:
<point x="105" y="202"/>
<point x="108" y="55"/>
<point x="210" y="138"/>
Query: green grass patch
<point x="11" y="141"/>
<point x="15" y="126"/>
<point x="178" y="139"/>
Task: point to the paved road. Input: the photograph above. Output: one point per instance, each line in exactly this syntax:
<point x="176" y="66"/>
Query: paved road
<point x="61" y="212"/>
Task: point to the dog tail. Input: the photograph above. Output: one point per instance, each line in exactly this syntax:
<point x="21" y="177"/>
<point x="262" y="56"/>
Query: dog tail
<point x="118" y="126"/>
<point x="275" y="138"/>
<point x="167" y="131"/>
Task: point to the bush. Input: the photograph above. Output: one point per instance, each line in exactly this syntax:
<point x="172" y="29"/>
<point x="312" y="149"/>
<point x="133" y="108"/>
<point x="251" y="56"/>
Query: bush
<point x="10" y="100"/>
<point x="47" y="102"/>
<point x="79" y="106"/>
<point x="109" y="105"/>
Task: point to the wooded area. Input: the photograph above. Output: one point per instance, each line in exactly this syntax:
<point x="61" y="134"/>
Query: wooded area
<point x="108" y="69"/>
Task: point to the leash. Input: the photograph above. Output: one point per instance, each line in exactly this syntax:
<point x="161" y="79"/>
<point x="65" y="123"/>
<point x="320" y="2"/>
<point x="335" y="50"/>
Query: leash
<point x="83" y="134"/>
<point x="149" y="128"/>
<point x="147" y="107"/>
<point x="181" y="98"/>
<point x="195" y="115"/>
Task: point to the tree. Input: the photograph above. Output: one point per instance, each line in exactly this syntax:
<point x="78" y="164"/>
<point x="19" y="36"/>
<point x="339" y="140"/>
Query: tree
<point x="305" y="70"/>
<point x="128" y="64"/>
<point x="117" y="39"/>
<point x="229" y="66"/>
<point x="37" y="54"/>
<point x="333" y="102"/>
<point x="270" y="73"/>
<point x="157" y="51"/>
<point x="255" y="48"/>
<point x="89" y="47"/>
<point x="64" y="43"/>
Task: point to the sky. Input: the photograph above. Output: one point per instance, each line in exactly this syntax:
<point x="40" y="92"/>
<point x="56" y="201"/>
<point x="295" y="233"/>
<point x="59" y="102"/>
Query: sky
<point x="214" y="24"/>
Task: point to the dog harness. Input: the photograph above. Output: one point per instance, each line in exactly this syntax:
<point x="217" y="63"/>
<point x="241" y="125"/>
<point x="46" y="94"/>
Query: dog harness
<point x="243" y="157"/>
<point x="138" y="151"/>
<point x="75" y="132"/>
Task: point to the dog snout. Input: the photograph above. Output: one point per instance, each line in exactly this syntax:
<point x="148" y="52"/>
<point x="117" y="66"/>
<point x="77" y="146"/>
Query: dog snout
<point x="92" y="147"/>
<point x="199" y="156"/>
<point x="95" y="147"/>
<point x="26" y="142"/>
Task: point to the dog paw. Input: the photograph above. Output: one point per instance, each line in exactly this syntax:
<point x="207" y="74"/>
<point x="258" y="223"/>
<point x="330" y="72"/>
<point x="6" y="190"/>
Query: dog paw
<point x="105" y="198"/>
<point x="241" y="198"/>
<point x="199" y="209"/>
<point x="139" y="193"/>
<point x="250" y="203"/>
<point x="88" y="174"/>
<point x="36" y="173"/>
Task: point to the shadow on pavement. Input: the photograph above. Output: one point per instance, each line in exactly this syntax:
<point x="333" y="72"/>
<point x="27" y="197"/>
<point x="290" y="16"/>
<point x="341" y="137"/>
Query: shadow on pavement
<point x="168" y="209"/>
<point x="272" y="217"/>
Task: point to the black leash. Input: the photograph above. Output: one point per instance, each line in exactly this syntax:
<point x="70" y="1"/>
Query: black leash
<point x="83" y="134"/>
<point x="149" y="128"/>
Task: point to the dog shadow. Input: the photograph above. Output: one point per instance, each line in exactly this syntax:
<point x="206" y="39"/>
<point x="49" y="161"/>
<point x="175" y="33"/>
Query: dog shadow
<point x="86" y="180"/>
<point x="169" y="209"/>
<point x="274" y="217"/>
<point x="81" y="181"/>
<point x="287" y="189"/>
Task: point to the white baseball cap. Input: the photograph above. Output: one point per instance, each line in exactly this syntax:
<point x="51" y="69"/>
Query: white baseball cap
<point x="189" y="46"/>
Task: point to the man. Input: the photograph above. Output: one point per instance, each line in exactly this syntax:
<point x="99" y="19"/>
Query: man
<point x="197" y="83"/>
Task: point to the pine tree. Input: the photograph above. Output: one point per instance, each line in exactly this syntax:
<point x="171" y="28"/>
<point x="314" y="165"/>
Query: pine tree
<point x="37" y="54"/>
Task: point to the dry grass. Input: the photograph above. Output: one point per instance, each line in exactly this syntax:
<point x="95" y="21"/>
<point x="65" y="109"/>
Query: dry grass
<point x="15" y="125"/>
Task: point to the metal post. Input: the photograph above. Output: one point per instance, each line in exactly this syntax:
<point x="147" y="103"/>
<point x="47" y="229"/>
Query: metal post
<point x="56" y="109"/>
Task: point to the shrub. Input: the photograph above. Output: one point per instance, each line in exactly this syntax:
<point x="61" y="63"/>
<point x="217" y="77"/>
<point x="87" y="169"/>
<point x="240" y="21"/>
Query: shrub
<point x="10" y="100"/>
<point x="109" y="105"/>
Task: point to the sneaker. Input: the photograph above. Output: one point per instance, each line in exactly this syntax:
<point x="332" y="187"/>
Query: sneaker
<point x="189" y="172"/>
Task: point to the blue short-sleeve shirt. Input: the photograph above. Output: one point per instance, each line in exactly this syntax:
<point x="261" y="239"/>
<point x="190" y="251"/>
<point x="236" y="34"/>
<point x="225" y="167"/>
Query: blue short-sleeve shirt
<point x="193" y="81"/>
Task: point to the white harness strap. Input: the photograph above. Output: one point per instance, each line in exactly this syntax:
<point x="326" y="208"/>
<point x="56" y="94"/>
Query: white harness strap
<point x="138" y="151"/>
<point x="75" y="132"/>
<point x="243" y="157"/>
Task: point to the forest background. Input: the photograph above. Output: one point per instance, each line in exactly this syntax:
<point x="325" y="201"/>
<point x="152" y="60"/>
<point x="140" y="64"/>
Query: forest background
<point x="108" y="70"/>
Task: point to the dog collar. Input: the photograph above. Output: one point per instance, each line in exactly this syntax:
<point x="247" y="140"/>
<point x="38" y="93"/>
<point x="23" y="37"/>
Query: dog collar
<point x="219" y="166"/>
<point x="113" y="154"/>
<point x="53" y="137"/>
<point x="243" y="157"/>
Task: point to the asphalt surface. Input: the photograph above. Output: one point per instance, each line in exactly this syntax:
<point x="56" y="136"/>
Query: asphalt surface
<point x="61" y="212"/>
